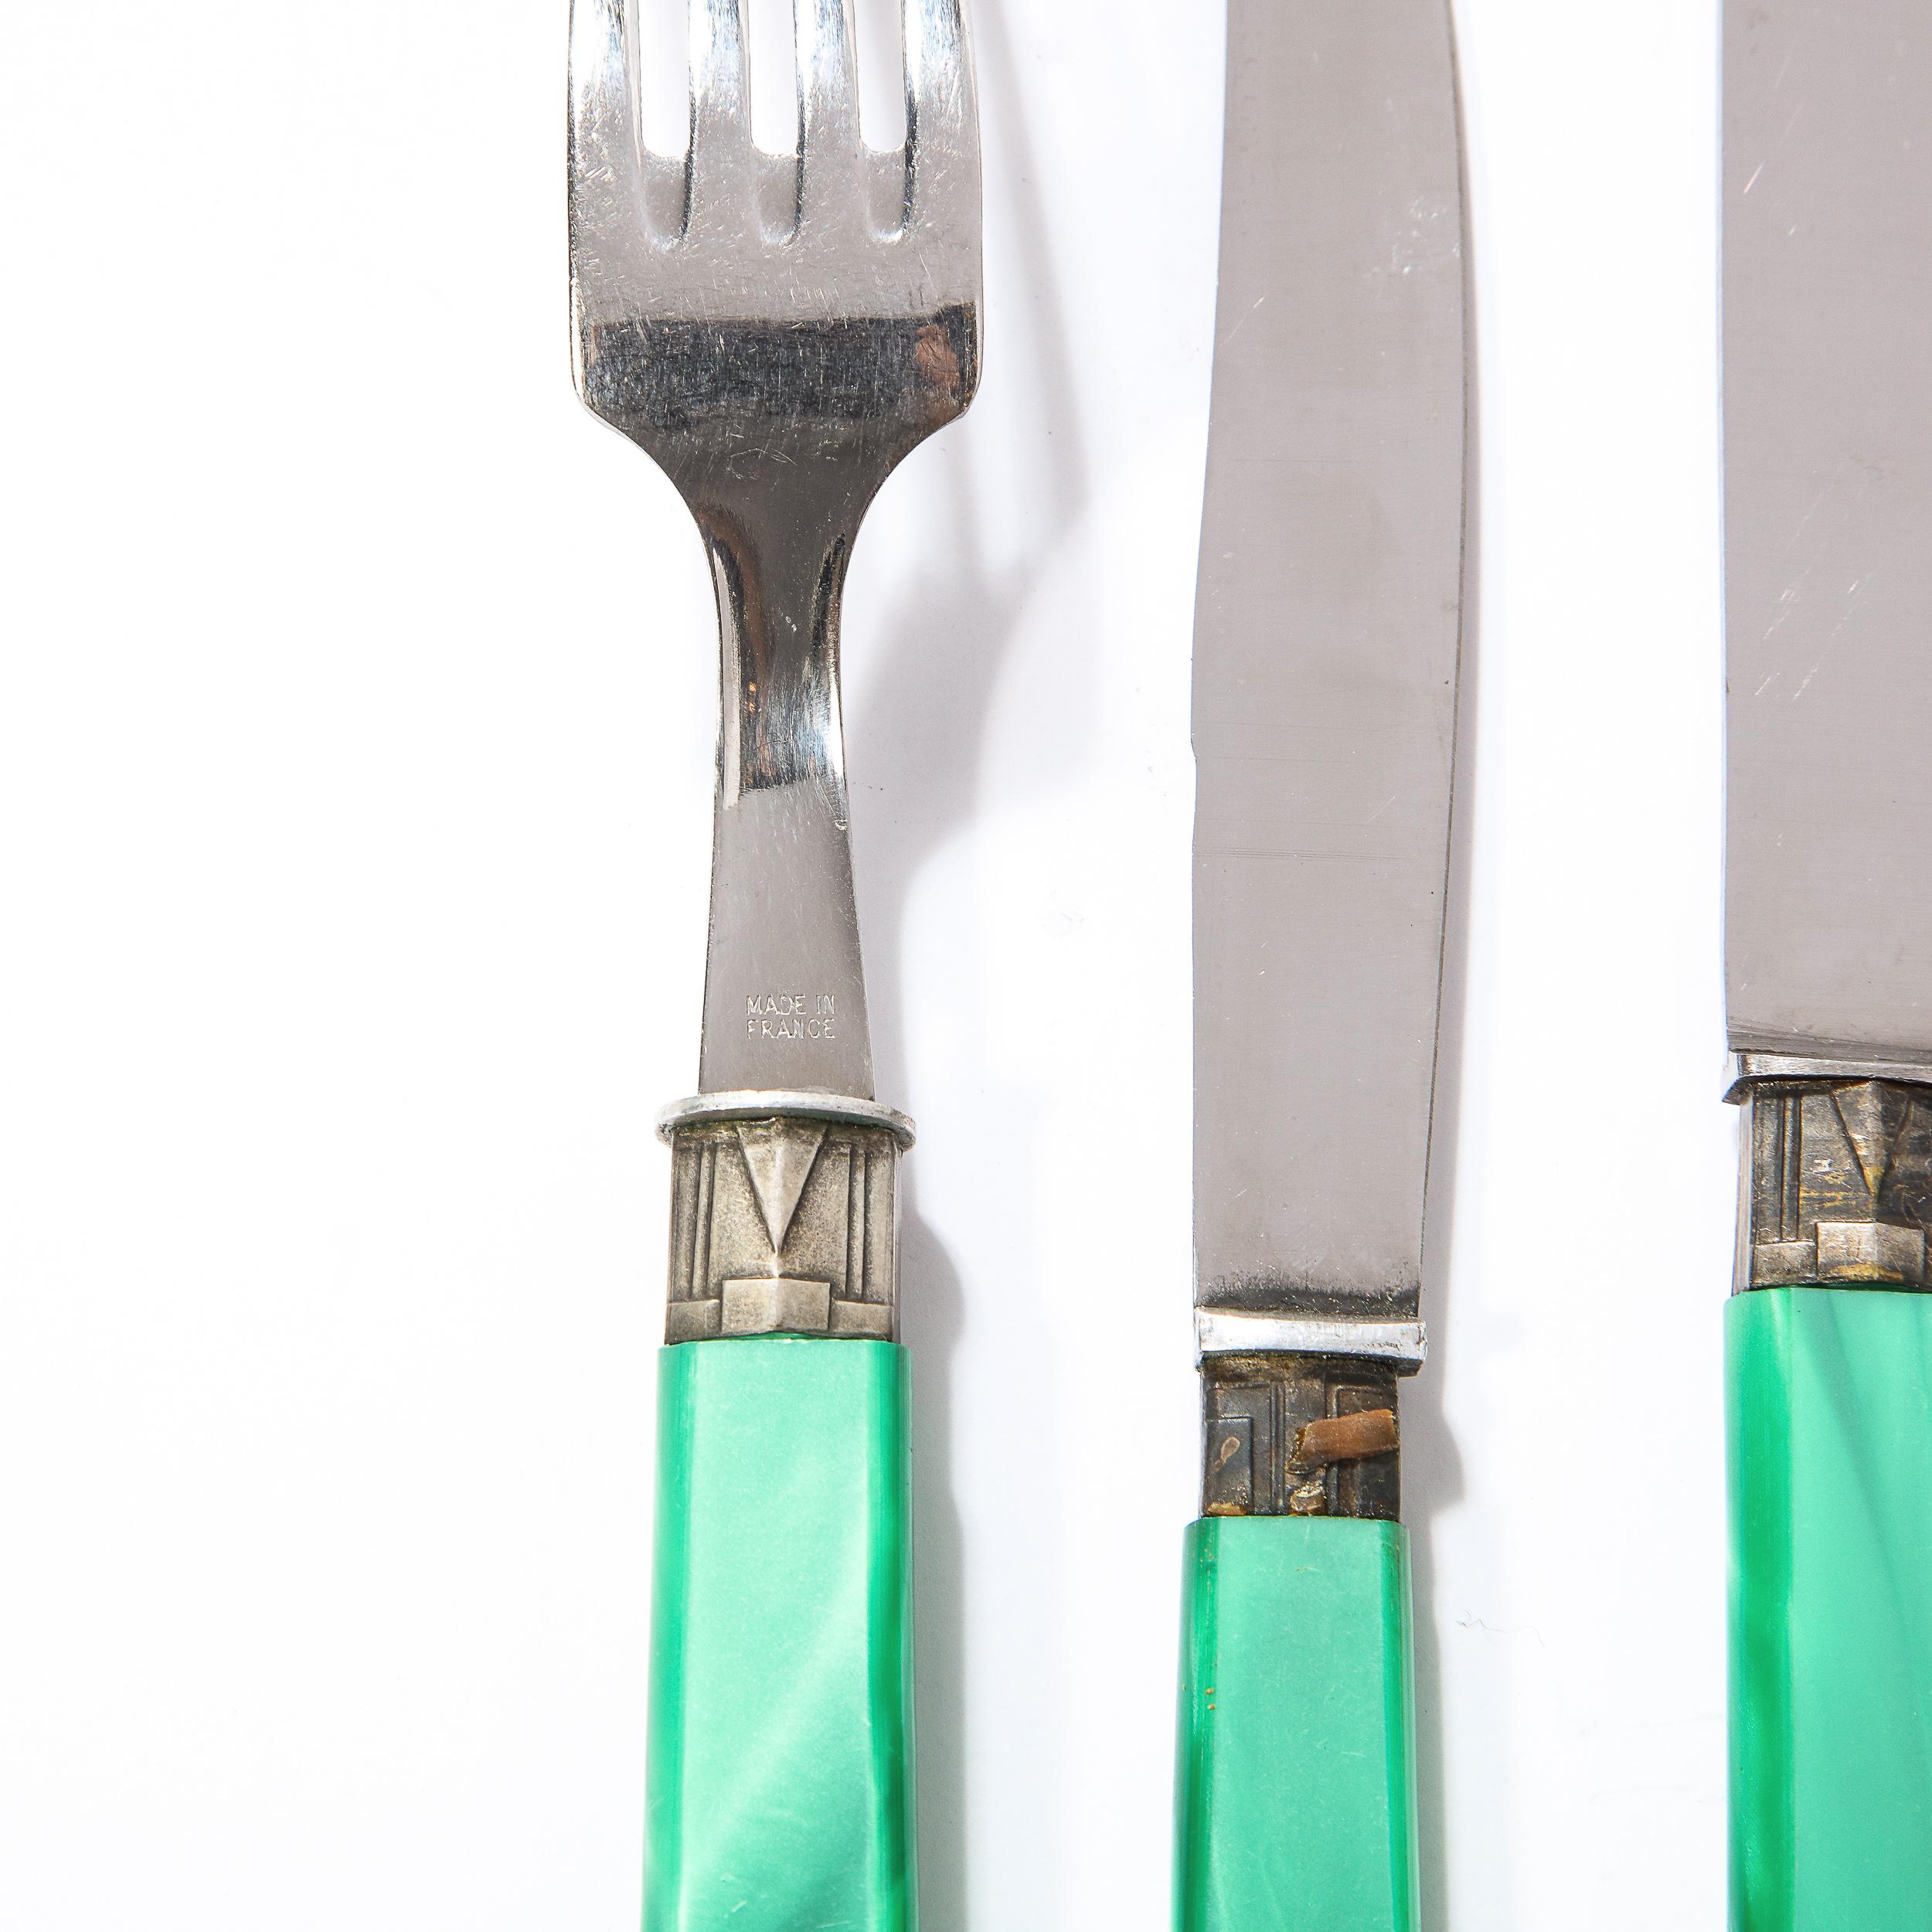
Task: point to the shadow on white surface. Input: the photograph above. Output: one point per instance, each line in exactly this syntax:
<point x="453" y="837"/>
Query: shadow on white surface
<point x="946" y="637"/>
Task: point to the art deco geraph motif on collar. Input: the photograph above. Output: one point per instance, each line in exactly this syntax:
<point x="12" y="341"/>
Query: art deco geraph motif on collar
<point x="782" y="1226"/>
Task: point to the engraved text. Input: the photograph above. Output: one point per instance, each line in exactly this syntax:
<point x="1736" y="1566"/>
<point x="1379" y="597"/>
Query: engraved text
<point x="789" y="1016"/>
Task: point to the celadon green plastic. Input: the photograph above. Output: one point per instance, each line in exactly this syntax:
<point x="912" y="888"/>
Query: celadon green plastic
<point x="779" y="1781"/>
<point x="1295" y="1795"/>
<point x="1829" y="1400"/>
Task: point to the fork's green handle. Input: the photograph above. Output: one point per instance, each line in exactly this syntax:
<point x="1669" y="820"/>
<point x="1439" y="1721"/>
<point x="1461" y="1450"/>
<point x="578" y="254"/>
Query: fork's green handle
<point x="1829" y="1394"/>
<point x="1295" y="1796"/>
<point x="781" y="1772"/>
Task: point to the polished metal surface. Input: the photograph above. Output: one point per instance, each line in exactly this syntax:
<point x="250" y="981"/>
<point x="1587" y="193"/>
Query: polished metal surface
<point x="1326" y="650"/>
<point x="1748" y="1069"/>
<point x="754" y="1106"/>
<point x="1828" y="524"/>
<point x="778" y="333"/>
<point x="1404" y="1345"/>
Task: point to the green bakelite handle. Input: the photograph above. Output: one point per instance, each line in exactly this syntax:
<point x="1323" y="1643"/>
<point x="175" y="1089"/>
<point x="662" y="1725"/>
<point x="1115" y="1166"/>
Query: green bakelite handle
<point x="1294" y="1797"/>
<point x="780" y="1773"/>
<point x="1829" y="1396"/>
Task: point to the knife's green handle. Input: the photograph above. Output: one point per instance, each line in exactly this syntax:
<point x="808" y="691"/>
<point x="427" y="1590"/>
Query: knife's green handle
<point x="781" y="1771"/>
<point x="1295" y="1795"/>
<point x="1829" y="1394"/>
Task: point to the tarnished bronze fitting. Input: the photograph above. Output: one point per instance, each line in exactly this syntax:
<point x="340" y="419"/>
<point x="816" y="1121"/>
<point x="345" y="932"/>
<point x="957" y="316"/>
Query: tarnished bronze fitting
<point x="1837" y="1184"/>
<point x="1299" y="1435"/>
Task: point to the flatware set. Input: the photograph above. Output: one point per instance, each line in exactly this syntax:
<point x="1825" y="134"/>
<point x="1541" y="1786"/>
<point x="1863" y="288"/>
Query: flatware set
<point x="778" y="332"/>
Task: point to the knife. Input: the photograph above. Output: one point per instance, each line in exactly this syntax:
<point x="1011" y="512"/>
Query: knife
<point x="1327" y="638"/>
<point x="1828" y="533"/>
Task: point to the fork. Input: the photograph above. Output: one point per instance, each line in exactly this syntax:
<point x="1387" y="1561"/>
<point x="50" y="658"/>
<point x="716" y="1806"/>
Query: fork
<point x="778" y="332"/>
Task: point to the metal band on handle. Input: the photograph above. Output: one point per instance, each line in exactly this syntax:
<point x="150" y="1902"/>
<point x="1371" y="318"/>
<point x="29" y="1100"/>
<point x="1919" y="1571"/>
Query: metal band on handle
<point x="1235" y="1331"/>
<point x="1746" y="1068"/>
<point x="749" y="1105"/>
<point x="1837" y="1182"/>
<point x="784" y="1215"/>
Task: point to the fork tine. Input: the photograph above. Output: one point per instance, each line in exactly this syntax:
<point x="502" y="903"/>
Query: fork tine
<point x="605" y="161"/>
<point x="831" y="153"/>
<point x="942" y="119"/>
<point x="722" y="167"/>
<point x="827" y="93"/>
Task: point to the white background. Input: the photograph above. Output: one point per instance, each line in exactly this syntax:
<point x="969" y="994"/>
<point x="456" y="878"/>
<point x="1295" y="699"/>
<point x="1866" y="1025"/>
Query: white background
<point x="354" y="774"/>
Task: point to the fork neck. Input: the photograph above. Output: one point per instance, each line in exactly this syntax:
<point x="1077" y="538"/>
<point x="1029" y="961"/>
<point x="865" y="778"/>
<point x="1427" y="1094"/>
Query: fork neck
<point x="785" y="993"/>
<point x="779" y="580"/>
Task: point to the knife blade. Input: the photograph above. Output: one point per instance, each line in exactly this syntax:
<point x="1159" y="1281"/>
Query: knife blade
<point x="1327" y="640"/>
<point x="1827" y="532"/>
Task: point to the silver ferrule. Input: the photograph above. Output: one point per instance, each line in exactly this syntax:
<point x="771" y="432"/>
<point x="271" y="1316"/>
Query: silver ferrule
<point x="1835" y="1181"/>
<point x="785" y="1224"/>
<point x="1402" y="1345"/>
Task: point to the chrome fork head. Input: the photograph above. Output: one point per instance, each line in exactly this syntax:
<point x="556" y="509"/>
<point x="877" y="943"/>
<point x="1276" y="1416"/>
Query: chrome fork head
<point x="777" y="332"/>
<point x="832" y="293"/>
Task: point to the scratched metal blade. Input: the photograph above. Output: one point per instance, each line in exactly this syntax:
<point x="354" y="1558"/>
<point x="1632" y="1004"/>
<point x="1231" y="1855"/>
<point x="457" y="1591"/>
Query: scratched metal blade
<point x="1326" y="643"/>
<point x="1828" y="517"/>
